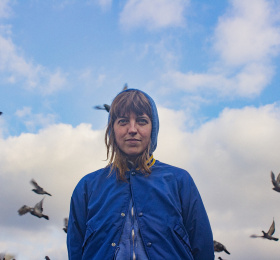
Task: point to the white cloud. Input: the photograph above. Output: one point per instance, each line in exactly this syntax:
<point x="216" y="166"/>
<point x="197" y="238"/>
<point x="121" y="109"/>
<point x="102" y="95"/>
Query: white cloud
<point x="33" y="121"/>
<point x="249" y="82"/>
<point x="5" y="10"/>
<point x="105" y="4"/>
<point x="16" y="68"/>
<point x="153" y="14"/>
<point x="57" y="157"/>
<point x="247" y="33"/>
<point x="230" y="159"/>
<point x="246" y="40"/>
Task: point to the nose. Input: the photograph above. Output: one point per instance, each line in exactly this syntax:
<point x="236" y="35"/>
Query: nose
<point x="132" y="130"/>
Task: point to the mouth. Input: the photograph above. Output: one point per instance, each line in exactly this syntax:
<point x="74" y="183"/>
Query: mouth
<point x="132" y="140"/>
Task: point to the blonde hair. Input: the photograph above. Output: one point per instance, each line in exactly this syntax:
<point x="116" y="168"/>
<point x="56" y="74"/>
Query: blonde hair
<point x="125" y="103"/>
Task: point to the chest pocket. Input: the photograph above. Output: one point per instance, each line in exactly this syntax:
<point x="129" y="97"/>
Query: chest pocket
<point x="182" y="234"/>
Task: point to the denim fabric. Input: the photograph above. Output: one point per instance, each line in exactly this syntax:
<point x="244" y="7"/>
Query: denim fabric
<point x="126" y="245"/>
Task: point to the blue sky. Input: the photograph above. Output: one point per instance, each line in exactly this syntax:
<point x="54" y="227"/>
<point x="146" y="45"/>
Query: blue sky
<point x="213" y="70"/>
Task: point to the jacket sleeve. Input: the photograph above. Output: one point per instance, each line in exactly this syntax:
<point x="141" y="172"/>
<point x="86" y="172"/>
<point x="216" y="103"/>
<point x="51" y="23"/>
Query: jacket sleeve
<point x="196" y="220"/>
<point x="77" y="222"/>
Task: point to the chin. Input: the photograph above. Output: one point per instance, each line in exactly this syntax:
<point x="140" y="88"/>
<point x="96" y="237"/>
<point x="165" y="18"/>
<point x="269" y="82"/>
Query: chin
<point x="133" y="154"/>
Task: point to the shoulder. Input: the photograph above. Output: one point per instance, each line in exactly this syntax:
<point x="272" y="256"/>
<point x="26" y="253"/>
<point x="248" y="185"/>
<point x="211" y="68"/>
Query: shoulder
<point x="91" y="179"/>
<point x="164" y="167"/>
<point x="182" y="176"/>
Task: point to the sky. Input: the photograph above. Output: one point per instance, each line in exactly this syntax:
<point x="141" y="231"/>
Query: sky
<point x="213" y="70"/>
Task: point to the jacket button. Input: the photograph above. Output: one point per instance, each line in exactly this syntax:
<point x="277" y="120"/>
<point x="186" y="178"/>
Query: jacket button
<point x="149" y="244"/>
<point x="140" y="214"/>
<point x="122" y="214"/>
<point x="113" y="244"/>
<point x="133" y="173"/>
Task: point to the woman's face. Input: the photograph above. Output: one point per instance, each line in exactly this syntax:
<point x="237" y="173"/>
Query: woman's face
<point x="133" y="133"/>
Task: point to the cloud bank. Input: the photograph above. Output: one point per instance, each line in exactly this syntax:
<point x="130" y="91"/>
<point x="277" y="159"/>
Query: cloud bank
<point x="230" y="159"/>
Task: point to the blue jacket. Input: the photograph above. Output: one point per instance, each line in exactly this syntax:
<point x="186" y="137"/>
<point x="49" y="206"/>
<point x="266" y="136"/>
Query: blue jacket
<point x="170" y="213"/>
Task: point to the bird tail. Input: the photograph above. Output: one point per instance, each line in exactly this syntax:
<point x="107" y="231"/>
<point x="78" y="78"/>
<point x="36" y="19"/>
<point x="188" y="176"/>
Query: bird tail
<point x="227" y="251"/>
<point x="46" y="217"/>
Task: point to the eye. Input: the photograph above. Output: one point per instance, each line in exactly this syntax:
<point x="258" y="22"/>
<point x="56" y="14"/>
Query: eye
<point x="122" y="121"/>
<point x="142" y="121"/>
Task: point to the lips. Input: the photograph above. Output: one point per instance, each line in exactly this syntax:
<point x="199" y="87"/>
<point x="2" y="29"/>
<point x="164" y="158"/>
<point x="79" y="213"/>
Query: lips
<point x="132" y="142"/>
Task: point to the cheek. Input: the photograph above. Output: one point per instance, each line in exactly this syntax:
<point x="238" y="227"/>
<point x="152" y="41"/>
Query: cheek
<point x="118" y="133"/>
<point x="147" y="133"/>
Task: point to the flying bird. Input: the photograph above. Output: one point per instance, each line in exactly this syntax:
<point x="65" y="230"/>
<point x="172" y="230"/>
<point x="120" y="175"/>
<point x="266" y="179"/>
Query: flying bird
<point x="106" y="106"/>
<point x="38" y="189"/>
<point x="276" y="183"/>
<point x="47" y="258"/>
<point x="37" y="211"/>
<point x="269" y="233"/>
<point x="65" y="225"/>
<point x="1" y="113"/>
<point x="219" y="247"/>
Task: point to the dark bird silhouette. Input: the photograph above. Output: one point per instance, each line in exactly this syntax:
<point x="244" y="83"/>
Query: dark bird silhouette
<point x="1" y="113"/>
<point x="269" y="233"/>
<point x="38" y="189"/>
<point x="106" y="106"/>
<point x="65" y="225"/>
<point x="221" y="258"/>
<point x="276" y="183"/>
<point x="219" y="247"/>
<point x="47" y="258"/>
<point x="37" y="211"/>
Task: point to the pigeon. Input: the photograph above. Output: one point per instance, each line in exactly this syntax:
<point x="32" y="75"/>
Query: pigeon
<point x="219" y="247"/>
<point x="106" y="106"/>
<point x="269" y="233"/>
<point x="38" y="189"/>
<point x="37" y="211"/>
<point x="276" y="183"/>
<point x="65" y="225"/>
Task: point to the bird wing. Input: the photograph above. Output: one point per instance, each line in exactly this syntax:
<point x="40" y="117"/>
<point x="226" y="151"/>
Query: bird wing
<point x="66" y="222"/>
<point x="272" y="177"/>
<point x="125" y="87"/>
<point x="39" y="206"/>
<point x="23" y="210"/>
<point x="99" y="107"/>
<point x="35" y="184"/>
<point x="107" y="107"/>
<point x="271" y="229"/>
<point x="278" y="179"/>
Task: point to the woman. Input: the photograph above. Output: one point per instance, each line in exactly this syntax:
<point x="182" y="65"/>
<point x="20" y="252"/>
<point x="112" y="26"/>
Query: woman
<point x="137" y="207"/>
